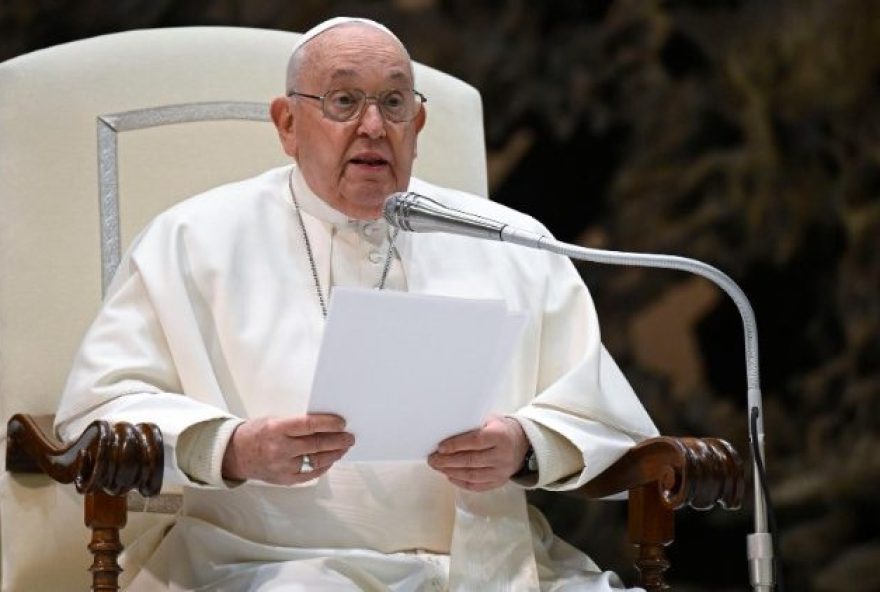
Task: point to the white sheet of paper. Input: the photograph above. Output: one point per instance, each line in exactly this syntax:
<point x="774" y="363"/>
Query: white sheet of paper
<point x="407" y="370"/>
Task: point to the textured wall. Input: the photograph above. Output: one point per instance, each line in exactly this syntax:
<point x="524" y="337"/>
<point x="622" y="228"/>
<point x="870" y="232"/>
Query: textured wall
<point x="744" y="133"/>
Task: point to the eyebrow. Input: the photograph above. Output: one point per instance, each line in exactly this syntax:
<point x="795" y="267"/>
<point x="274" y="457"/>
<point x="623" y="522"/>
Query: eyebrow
<point x="344" y="73"/>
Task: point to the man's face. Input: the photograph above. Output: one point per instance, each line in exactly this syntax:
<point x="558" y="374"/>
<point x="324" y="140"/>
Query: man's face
<point x="354" y="165"/>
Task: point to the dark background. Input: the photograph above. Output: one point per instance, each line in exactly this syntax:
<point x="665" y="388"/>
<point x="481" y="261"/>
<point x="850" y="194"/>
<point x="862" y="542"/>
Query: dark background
<point x="744" y="133"/>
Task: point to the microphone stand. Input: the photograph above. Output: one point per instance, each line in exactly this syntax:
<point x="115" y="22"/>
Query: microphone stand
<point x="416" y="213"/>
<point x="759" y="544"/>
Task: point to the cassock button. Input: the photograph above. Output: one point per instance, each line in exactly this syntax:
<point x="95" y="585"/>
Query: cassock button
<point x="375" y="257"/>
<point x="371" y="229"/>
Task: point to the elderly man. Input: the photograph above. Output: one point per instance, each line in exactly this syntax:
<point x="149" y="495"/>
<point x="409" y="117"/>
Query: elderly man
<point x="212" y="327"/>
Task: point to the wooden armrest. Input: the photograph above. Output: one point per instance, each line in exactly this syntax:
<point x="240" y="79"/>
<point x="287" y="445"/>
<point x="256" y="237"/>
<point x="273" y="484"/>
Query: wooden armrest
<point x="698" y="472"/>
<point x="662" y="475"/>
<point x="105" y="462"/>
<point x="111" y="458"/>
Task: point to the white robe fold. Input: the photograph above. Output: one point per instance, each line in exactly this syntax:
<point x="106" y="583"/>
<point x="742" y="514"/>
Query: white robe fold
<point x="213" y="314"/>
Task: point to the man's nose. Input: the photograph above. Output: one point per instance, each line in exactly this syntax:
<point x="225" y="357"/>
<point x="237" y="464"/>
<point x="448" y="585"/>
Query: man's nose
<point x="372" y="123"/>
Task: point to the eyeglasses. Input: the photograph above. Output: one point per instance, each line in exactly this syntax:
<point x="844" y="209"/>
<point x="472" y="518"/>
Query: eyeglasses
<point x="346" y="104"/>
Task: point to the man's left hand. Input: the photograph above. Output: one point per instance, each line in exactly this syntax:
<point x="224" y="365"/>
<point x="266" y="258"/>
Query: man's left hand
<point x="482" y="459"/>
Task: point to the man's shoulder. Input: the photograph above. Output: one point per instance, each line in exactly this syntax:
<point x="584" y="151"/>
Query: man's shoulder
<point x="227" y="202"/>
<point x="216" y="215"/>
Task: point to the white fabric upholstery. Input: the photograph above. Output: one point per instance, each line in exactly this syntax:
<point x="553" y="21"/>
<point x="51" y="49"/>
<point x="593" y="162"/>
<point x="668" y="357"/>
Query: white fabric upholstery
<point x="50" y="279"/>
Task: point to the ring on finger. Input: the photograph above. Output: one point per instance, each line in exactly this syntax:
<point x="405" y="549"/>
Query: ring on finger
<point x="307" y="465"/>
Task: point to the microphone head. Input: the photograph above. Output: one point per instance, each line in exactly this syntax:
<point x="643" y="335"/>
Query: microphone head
<point x="417" y="213"/>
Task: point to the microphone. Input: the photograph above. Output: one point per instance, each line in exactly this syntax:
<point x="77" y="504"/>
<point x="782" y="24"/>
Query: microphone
<point x="417" y="213"/>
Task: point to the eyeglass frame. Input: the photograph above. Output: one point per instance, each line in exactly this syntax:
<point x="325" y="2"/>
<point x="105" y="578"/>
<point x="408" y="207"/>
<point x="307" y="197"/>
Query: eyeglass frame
<point x="367" y="99"/>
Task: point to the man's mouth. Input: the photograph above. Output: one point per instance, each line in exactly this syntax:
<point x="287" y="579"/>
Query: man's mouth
<point x="369" y="161"/>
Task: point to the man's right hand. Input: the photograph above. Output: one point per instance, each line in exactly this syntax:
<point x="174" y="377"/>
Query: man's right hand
<point x="271" y="449"/>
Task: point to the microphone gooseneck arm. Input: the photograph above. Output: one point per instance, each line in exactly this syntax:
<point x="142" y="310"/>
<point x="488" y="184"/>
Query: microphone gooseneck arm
<point x="416" y="213"/>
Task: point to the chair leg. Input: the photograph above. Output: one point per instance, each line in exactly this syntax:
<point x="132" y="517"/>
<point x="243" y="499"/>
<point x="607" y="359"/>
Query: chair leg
<point x="651" y="529"/>
<point x="105" y="515"/>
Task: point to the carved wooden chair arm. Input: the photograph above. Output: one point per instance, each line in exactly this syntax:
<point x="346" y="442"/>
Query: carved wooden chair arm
<point x="110" y="458"/>
<point x="662" y="475"/>
<point x="699" y="472"/>
<point x="104" y="463"/>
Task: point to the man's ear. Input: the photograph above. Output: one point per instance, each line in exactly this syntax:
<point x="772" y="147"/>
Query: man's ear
<point x="420" y="118"/>
<point x="281" y="110"/>
<point x="419" y="122"/>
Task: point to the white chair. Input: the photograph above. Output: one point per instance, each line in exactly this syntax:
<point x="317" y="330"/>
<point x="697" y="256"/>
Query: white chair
<point x="98" y="136"/>
<point x="117" y="117"/>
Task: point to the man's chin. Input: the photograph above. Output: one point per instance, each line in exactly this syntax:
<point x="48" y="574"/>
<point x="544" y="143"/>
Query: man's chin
<point x="366" y="208"/>
<point x="368" y="204"/>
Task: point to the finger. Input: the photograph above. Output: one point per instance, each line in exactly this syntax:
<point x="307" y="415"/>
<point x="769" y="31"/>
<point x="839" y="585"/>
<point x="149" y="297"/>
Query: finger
<point x="473" y="440"/>
<point x="466" y="459"/>
<point x="296" y="478"/>
<point x="324" y="460"/>
<point x="323" y="442"/>
<point x="473" y="475"/>
<point x="289" y="474"/>
<point x="304" y="425"/>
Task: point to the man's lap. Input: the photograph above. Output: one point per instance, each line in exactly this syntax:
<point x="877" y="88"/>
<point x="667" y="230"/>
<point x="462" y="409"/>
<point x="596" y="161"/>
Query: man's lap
<point x="196" y="555"/>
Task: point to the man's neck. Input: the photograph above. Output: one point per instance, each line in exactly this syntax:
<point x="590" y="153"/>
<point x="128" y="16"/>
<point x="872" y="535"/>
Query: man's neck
<point x="312" y="203"/>
<point x="323" y="209"/>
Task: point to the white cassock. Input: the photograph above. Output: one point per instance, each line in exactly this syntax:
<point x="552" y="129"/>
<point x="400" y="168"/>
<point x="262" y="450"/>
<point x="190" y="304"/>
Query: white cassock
<point x="213" y="314"/>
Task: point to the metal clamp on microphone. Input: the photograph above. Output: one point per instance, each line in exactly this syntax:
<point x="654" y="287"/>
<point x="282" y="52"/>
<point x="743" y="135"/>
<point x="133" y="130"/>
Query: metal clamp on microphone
<point x="417" y="213"/>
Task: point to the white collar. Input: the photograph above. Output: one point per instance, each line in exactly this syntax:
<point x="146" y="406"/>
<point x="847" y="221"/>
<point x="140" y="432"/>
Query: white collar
<point x="316" y="207"/>
<point x="312" y="204"/>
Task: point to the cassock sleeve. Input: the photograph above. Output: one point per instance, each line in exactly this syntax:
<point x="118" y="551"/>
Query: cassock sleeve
<point x="124" y="371"/>
<point x="582" y="395"/>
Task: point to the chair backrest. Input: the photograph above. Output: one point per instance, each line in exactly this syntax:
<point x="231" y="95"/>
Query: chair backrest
<point x="79" y="121"/>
